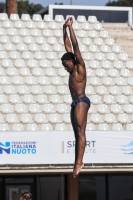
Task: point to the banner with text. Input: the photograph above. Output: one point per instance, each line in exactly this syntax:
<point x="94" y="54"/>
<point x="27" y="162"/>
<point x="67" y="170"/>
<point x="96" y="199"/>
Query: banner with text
<point x="53" y="147"/>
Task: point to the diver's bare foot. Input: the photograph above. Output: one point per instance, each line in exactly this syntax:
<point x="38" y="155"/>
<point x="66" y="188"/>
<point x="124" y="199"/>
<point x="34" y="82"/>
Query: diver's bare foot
<point x="77" y="169"/>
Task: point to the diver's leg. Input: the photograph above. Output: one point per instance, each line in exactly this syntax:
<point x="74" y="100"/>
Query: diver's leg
<point x="80" y="119"/>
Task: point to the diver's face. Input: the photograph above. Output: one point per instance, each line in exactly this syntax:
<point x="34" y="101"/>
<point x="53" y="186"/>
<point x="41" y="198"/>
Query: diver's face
<point x="68" y="65"/>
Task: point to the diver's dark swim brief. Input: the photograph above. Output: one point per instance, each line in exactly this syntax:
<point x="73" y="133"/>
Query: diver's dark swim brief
<point x="82" y="99"/>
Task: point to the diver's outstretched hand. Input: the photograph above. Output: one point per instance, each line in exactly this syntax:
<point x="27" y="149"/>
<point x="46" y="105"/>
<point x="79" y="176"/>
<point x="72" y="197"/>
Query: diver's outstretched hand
<point x="69" y="21"/>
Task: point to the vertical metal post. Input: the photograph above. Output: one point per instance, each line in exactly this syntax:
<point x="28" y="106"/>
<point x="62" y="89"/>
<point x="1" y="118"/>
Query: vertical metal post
<point x="34" y="187"/>
<point x="107" y="186"/>
<point x="132" y="14"/>
<point x="71" y="2"/>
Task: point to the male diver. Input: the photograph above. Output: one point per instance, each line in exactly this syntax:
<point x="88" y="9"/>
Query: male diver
<point x="75" y="66"/>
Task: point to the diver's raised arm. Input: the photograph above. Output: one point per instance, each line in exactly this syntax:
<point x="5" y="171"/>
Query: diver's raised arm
<point x="67" y="42"/>
<point x="75" y="43"/>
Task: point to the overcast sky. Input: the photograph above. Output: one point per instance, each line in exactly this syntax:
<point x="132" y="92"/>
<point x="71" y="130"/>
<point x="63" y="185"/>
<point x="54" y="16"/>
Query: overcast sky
<point x="67" y="2"/>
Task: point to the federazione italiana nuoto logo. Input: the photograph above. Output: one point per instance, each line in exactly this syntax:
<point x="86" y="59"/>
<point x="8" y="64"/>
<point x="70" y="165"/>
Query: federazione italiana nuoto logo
<point x="5" y="147"/>
<point x="127" y="148"/>
<point x="18" y="147"/>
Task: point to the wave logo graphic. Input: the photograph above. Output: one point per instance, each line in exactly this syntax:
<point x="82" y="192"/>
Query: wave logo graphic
<point x="128" y="148"/>
<point x="5" y="147"/>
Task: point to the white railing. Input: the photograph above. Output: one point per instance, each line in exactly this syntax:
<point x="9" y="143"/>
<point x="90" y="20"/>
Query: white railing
<point x="106" y="8"/>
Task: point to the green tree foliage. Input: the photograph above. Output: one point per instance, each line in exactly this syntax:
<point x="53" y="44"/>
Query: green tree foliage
<point x="25" y="7"/>
<point x="58" y="3"/>
<point x="121" y="3"/>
